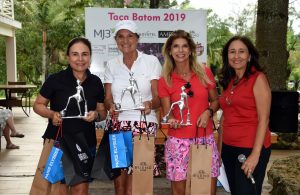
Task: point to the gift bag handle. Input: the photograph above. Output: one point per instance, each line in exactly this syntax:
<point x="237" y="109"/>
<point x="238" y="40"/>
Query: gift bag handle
<point x="59" y="131"/>
<point x="204" y="142"/>
<point x="113" y="123"/>
<point x="143" y="119"/>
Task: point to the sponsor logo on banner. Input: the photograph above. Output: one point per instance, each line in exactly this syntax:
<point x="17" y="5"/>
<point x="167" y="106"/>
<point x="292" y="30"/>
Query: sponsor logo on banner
<point x="154" y="27"/>
<point x="164" y="34"/>
<point x="113" y="50"/>
<point x="99" y="49"/>
<point x="103" y="33"/>
<point x="147" y="34"/>
<point x="194" y="34"/>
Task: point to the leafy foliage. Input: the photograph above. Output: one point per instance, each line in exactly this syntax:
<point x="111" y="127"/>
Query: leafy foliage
<point x="62" y="20"/>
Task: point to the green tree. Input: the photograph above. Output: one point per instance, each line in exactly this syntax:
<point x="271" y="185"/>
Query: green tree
<point x="47" y="28"/>
<point x="218" y="33"/>
<point x="62" y="20"/>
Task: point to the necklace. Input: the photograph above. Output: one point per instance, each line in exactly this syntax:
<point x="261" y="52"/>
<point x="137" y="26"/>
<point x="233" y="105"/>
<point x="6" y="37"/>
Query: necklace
<point x="183" y="74"/>
<point x="236" y="81"/>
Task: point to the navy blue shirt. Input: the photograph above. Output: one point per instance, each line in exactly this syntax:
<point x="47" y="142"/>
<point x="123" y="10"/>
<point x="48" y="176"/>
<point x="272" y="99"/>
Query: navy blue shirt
<point x="58" y="88"/>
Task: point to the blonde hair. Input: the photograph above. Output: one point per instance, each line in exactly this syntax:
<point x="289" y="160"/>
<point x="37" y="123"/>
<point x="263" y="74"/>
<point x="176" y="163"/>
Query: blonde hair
<point x="169" y="63"/>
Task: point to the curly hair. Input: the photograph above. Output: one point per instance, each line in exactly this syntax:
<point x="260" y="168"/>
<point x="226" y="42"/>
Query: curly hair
<point x="169" y="64"/>
<point x="227" y="72"/>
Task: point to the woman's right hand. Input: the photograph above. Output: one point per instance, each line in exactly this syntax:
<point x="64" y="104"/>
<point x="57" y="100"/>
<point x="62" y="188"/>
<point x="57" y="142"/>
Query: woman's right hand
<point x="174" y="123"/>
<point x="56" y="119"/>
<point x="113" y="113"/>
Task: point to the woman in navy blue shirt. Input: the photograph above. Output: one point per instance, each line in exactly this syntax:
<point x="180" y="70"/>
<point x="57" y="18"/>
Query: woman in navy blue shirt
<point x="59" y="87"/>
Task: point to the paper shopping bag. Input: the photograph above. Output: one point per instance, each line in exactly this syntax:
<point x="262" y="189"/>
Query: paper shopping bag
<point x="53" y="171"/>
<point x="118" y="150"/>
<point x="41" y="186"/>
<point x="102" y="168"/>
<point x="188" y="176"/>
<point x="199" y="171"/>
<point x="143" y="160"/>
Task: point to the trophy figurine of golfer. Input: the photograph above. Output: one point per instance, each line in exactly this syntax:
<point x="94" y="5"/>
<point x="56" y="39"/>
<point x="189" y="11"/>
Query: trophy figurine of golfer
<point x="182" y="103"/>
<point x="132" y="89"/>
<point x="79" y="97"/>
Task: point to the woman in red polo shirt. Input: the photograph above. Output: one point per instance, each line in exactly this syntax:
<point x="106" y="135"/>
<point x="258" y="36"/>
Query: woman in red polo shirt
<point x="181" y="68"/>
<point x="245" y="101"/>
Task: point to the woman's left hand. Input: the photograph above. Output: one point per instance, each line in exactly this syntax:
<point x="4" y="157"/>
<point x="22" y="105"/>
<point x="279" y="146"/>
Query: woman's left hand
<point x="148" y="107"/>
<point x="91" y="116"/>
<point x="249" y="165"/>
<point x="203" y="119"/>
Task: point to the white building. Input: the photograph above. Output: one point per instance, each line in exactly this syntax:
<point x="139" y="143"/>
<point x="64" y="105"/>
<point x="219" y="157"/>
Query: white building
<point x="8" y="26"/>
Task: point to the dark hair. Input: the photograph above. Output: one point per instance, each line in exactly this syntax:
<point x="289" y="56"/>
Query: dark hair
<point x="227" y="72"/>
<point x="83" y="40"/>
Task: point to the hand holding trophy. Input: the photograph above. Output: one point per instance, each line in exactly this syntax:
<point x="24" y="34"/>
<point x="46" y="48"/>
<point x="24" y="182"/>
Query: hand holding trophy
<point x="182" y="104"/>
<point x="79" y="97"/>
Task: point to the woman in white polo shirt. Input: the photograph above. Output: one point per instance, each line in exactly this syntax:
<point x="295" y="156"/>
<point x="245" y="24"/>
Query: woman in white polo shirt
<point x="146" y="71"/>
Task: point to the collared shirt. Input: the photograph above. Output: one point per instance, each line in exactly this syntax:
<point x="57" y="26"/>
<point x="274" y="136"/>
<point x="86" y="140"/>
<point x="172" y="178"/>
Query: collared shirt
<point x="58" y="88"/>
<point x="145" y="68"/>
<point x="197" y="104"/>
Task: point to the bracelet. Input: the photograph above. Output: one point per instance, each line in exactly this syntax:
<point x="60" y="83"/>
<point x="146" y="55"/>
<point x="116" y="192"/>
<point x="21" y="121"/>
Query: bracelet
<point x="211" y="112"/>
<point x="97" y="117"/>
<point x="150" y="104"/>
<point x="219" y="129"/>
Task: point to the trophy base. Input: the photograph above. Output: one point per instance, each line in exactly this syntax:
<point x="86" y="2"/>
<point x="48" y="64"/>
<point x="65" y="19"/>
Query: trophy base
<point x="183" y="125"/>
<point x="127" y="109"/>
<point x="68" y="117"/>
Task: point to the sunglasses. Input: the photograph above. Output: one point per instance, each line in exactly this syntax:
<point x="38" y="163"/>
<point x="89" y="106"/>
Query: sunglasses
<point x="188" y="86"/>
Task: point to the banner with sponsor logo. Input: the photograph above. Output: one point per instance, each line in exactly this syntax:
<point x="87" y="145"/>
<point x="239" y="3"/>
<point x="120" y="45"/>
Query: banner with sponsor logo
<point x="154" y="27"/>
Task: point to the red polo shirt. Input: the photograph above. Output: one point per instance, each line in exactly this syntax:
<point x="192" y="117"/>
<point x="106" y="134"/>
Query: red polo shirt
<point x="197" y="104"/>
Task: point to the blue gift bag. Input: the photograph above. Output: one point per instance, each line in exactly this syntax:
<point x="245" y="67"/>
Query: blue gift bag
<point x="53" y="171"/>
<point x="127" y="135"/>
<point x="120" y="149"/>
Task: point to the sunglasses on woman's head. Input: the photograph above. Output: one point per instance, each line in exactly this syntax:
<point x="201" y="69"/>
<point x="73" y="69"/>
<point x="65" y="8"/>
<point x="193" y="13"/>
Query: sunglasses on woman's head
<point x="188" y="85"/>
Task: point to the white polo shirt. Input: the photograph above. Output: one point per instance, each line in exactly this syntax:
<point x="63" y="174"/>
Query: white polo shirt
<point x="145" y="68"/>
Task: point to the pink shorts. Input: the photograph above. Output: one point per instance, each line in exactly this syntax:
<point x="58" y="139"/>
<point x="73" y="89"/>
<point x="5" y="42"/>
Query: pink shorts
<point x="177" y="157"/>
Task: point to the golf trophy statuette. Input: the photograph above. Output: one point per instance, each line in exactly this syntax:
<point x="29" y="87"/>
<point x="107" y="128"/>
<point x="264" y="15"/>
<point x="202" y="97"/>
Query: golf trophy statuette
<point x="182" y="104"/>
<point x="79" y="97"/>
<point x="132" y="89"/>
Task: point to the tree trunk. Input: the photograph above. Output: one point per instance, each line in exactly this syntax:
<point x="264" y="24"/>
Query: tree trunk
<point x="43" y="75"/>
<point x="271" y="33"/>
<point x="154" y="4"/>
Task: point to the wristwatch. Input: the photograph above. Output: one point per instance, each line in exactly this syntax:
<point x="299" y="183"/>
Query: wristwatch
<point x="211" y="112"/>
